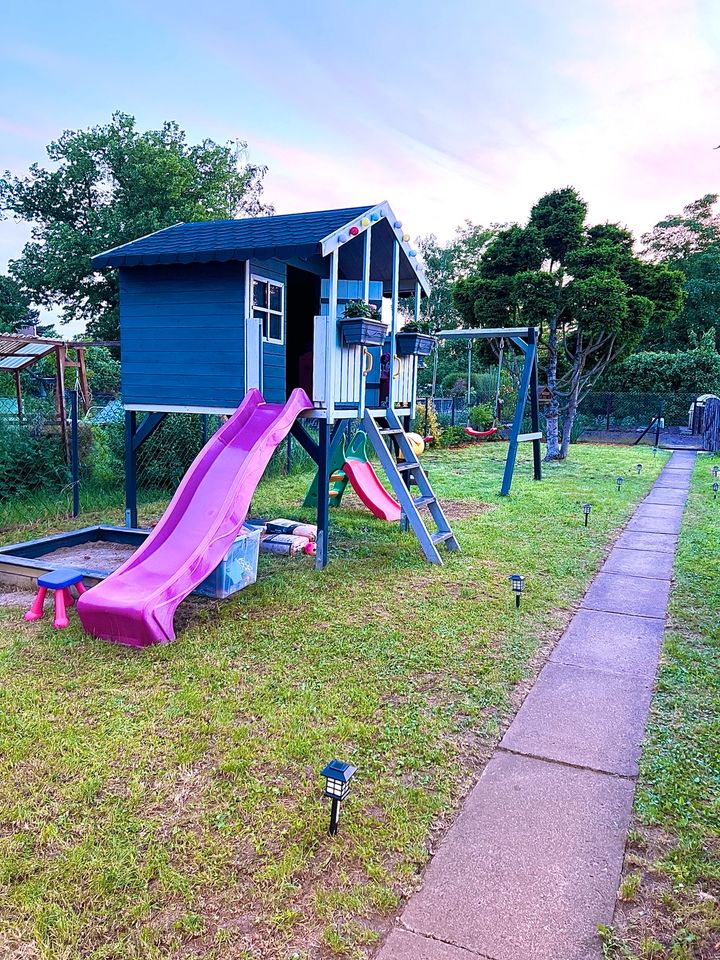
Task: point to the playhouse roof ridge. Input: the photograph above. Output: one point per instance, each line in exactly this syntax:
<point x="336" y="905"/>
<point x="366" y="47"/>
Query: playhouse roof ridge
<point x="240" y="238"/>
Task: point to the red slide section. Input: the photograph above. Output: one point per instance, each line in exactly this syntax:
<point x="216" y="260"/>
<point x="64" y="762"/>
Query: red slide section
<point x="373" y="494"/>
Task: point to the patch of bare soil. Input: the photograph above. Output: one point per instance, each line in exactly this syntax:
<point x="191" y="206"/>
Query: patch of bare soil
<point x="100" y="555"/>
<point x="464" y="509"/>
<point x="656" y="912"/>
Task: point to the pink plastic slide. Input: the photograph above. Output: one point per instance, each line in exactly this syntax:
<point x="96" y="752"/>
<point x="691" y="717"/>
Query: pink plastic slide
<point x="373" y="494"/>
<point x="136" y="604"/>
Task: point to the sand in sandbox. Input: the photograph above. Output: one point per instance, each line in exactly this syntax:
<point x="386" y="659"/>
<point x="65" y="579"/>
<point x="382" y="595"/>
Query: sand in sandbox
<point x="100" y="555"/>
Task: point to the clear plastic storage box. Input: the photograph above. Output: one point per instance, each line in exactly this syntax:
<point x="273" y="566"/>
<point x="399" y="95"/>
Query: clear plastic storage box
<point x="238" y="569"/>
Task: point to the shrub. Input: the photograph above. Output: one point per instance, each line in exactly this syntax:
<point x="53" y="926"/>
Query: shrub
<point x="453" y="437"/>
<point x="31" y="458"/>
<point x="433" y="427"/>
<point x="481" y="417"/>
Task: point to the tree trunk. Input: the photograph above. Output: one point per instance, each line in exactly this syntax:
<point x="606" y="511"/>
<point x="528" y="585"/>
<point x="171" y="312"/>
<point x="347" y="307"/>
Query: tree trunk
<point x="552" y="416"/>
<point x="572" y="408"/>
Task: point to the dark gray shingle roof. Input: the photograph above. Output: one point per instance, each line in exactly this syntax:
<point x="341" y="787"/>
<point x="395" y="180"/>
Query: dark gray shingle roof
<point x="295" y="234"/>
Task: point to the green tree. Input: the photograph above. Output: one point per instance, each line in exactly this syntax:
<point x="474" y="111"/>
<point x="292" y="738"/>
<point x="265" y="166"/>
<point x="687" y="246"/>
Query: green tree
<point x="444" y="265"/>
<point x="689" y="241"/>
<point x="583" y="287"/>
<point x="15" y="307"/>
<point x="107" y="186"/>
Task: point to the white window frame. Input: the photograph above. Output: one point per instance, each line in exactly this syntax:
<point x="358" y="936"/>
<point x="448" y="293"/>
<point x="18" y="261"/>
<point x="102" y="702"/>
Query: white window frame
<point x="266" y="310"/>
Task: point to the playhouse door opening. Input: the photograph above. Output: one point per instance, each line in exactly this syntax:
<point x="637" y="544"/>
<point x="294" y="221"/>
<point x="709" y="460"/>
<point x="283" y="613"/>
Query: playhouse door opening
<point x="302" y="305"/>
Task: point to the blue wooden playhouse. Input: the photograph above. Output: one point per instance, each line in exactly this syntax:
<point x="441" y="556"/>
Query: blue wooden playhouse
<point x="210" y="310"/>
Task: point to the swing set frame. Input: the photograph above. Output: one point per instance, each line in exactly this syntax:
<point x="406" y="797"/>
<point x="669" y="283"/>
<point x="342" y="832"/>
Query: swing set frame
<point x="526" y="339"/>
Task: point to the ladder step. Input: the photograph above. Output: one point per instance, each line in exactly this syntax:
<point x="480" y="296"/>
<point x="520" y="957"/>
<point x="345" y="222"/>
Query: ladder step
<point x="407" y="466"/>
<point x="336" y="477"/>
<point x="440" y="535"/>
<point x="387" y="430"/>
<point x="423" y="501"/>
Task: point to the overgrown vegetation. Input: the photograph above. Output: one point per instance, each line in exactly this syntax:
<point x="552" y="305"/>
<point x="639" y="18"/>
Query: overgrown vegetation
<point x="672" y="864"/>
<point x="166" y="803"/>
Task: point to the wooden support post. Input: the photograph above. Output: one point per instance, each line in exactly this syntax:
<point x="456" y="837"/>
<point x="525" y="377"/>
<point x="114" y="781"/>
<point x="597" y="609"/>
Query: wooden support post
<point x="535" y="407"/>
<point x="393" y="318"/>
<point x="528" y="367"/>
<point x="82" y="377"/>
<point x="60" y="397"/>
<point x="323" y="495"/>
<point x="131" y="517"/>
<point x="75" y="453"/>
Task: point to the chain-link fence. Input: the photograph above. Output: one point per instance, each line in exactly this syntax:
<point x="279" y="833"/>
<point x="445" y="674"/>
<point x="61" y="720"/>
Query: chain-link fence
<point x="44" y="480"/>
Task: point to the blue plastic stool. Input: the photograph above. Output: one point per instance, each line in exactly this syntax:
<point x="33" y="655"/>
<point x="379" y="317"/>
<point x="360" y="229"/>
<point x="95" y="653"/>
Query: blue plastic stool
<point x="60" y="581"/>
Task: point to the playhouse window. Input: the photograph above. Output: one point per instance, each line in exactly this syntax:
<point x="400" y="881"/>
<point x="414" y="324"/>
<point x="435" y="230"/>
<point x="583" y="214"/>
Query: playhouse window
<point x="267" y="298"/>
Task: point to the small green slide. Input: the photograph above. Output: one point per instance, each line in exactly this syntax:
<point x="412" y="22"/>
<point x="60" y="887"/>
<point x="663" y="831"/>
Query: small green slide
<point x="338" y="479"/>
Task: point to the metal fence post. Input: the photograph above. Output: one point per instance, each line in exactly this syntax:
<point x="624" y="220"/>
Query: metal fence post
<point x="74" y="453"/>
<point x="452" y="413"/>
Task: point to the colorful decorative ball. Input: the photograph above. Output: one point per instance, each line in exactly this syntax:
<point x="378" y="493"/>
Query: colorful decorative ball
<point x="406" y="237"/>
<point x="374" y="217"/>
<point x="364" y="222"/>
<point x="397" y="224"/>
<point x="354" y="231"/>
<point x="413" y="253"/>
<point x="343" y="238"/>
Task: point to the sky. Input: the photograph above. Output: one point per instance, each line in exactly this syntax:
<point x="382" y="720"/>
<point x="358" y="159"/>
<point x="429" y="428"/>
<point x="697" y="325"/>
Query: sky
<point x="448" y="109"/>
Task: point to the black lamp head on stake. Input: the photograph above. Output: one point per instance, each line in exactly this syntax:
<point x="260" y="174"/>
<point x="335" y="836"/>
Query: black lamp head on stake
<point x="619" y="482"/>
<point x="586" y="510"/>
<point x="638" y="467"/>
<point x="517" y="582"/>
<point x="655" y="450"/>
<point x="715" y="490"/>
<point x="715" y="470"/>
<point x="338" y="775"/>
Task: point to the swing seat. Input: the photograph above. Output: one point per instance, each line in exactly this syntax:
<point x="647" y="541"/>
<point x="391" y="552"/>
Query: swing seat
<point x="480" y="434"/>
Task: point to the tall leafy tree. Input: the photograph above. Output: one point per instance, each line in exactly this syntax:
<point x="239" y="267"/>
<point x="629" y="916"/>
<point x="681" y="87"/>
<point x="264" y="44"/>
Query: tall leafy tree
<point x="109" y="185"/>
<point x="445" y="264"/>
<point x="688" y="241"/>
<point x="583" y="287"/>
<point x="15" y="306"/>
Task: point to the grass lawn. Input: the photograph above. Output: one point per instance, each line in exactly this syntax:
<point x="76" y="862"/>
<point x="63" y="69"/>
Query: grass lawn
<point x="166" y="803"/>
<point x="670" y="894"/>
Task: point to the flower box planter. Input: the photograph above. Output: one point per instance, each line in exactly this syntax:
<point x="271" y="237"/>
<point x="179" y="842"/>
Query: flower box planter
<point x="420" y="344"/>
<point x="362" y="330"/>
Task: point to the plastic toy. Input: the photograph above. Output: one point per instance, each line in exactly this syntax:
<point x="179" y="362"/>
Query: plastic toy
<point x="365" y="481"/>
<point x="136" y="604"/>
<point x="60" y="581"/>
<point x="481" y="434"/>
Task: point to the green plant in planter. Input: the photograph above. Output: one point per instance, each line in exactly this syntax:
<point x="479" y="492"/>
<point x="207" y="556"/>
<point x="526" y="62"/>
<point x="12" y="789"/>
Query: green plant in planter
<point x="361" y="309"/>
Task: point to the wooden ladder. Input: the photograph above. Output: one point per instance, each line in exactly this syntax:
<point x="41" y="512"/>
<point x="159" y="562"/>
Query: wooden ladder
<point x="400" y="474"/>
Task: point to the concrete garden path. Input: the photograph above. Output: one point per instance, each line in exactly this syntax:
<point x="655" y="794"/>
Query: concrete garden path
<point x="532" y="864"/>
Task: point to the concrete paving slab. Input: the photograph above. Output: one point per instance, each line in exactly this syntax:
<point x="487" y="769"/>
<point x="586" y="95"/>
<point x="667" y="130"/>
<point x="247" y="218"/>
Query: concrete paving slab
<point x="638" y="540"/>
<point x="670" y="510"/>
<point x="666" y="495"/>
<point x="611" y="641"/>
<point x="532" y="864"/>
<point x="405" y="945"/>
<point x="640" y="563"/>
<point x="589" y="718"/>
<point x="641" y="521"/>
<point x="672" y="482"/>
<point x="622" y="593"/>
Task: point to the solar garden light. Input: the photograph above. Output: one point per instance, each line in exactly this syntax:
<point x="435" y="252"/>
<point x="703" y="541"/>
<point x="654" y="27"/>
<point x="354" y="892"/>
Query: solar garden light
<point x="338" y="775"/>
<point x="655" y="450"/>
<point x="517" y="582"/>
<point x="586" y="510"/>
<point x="715" y="470"/>
<point x="638" y="467"/>
<point x="716" y="486"/>
<point x="619" y="482"/>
